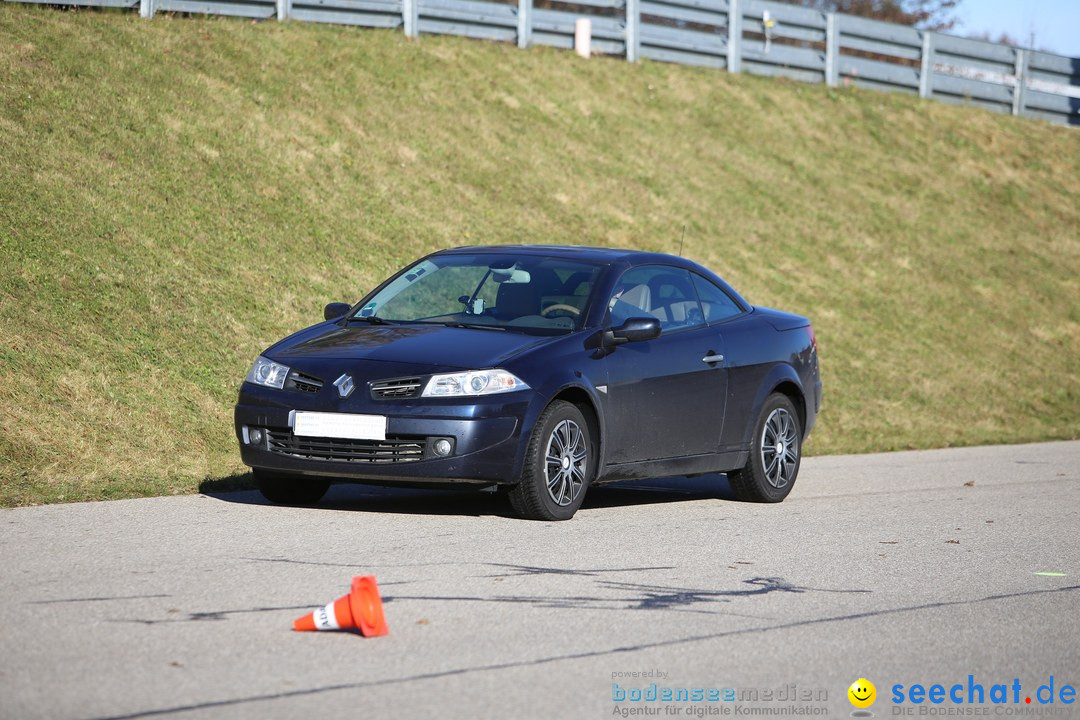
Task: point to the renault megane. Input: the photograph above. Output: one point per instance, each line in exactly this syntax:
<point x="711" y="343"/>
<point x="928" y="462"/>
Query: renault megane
<point x="540" y="370"/>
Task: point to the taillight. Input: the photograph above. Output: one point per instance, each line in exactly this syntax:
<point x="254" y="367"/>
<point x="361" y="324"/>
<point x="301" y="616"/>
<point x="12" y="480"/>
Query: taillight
<point x="813" y="338"/>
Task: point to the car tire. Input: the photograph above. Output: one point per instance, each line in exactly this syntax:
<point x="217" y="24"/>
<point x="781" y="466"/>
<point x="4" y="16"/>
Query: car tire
<point x="560" y="462"/>
<point x="290" y="489"/>
<point x="775" y="454"/>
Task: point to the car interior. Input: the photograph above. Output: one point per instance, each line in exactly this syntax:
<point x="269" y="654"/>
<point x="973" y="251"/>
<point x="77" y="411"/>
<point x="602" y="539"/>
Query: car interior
<point x="543" y="298"/>
<point x="668" y="298"/>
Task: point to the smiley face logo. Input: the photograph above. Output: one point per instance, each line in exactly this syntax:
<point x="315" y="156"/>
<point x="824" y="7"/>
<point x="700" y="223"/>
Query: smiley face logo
<point x="862" y="693"/>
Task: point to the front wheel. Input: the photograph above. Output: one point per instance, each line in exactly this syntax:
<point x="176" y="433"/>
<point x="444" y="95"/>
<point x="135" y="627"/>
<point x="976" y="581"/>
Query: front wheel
<point x="290" y="490"/>
<point x="775" y="454"/>
<point x="560" y="462"/>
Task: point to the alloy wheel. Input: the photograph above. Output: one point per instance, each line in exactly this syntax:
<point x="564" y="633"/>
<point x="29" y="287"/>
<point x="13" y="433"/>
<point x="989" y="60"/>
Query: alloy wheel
<point x="779" y="448"/>
<point x="565" y="462"/>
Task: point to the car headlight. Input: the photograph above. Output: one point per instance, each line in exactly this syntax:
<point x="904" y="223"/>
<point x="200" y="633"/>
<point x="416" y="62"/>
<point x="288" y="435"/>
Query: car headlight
<point x="267" y="373"/>
<point x="474" y="382"/>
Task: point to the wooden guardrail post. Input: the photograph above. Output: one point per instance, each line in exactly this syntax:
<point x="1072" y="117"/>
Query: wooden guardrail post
<point x="926" y="65"/>
<point x="1019" y="90"/>
<point x="633" y="29"/>
<point x="832" y="51"/>
<point x="524" y="23"/>
<point x="734" y="36"/>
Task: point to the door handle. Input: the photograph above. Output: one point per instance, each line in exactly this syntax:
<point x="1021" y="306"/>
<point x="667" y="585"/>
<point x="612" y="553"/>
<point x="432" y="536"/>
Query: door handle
<point x="712" y="358"/>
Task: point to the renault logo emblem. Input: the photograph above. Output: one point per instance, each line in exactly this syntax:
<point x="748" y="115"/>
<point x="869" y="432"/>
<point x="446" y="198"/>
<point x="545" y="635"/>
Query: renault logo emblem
<point x="344" y="385"/>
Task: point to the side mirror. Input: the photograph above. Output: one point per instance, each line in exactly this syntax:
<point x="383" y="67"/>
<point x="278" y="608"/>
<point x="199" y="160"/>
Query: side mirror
<point x="635" y="329"/>
<point x="335" y="310"/>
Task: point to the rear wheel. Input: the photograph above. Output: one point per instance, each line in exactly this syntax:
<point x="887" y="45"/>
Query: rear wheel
<point x="290" y="489"/>
<point x="775" y="454"/>
<point x="560" y="461"/>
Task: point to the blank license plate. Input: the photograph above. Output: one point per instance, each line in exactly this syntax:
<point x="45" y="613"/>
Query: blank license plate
<point x="340" y="425"/>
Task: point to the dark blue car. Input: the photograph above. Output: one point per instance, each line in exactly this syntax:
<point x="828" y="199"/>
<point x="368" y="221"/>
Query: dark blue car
<point x="540" y="370"/>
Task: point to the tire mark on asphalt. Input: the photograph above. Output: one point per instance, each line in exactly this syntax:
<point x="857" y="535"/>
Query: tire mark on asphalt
<point x="577" y="656"/>
<point x="643" y="597"/>
<point x="522" y="570"/>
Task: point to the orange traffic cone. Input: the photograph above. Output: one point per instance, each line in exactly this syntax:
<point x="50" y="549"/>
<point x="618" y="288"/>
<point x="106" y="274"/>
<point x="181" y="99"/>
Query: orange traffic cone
<point x="361" y="609"/>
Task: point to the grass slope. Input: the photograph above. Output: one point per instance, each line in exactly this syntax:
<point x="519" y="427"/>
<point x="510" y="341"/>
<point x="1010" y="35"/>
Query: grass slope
<point x="177" y="194"/>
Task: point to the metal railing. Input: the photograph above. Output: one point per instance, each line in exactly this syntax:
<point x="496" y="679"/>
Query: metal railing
<point x="753" y="36"/>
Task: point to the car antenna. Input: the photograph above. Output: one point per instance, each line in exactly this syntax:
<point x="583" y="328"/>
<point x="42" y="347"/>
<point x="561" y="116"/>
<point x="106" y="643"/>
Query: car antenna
<point x="682" y="238"/>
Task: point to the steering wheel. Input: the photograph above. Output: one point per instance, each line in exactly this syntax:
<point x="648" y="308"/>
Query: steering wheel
<point x="560" y="306"/>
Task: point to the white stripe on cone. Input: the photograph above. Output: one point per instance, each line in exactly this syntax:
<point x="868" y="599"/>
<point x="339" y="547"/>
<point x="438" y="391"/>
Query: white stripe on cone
<point x="326" y="618"/>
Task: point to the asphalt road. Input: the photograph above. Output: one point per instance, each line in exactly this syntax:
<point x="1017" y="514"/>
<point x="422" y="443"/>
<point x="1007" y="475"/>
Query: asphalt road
<point x="906" y="568"/>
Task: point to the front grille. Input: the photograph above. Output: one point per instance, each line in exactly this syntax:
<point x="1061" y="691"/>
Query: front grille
<point x="391" y="450"/>
<point x="302" y="382"/>
<point x="396" y="389"/>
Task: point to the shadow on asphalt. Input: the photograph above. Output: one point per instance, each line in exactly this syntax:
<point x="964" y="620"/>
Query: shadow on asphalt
<point x="369" y="498"/>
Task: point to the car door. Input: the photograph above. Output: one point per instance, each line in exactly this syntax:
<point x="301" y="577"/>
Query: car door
<point x="666" y="396"/>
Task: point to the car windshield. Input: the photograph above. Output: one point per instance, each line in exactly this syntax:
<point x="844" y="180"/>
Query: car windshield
<point x="524" y="293"/>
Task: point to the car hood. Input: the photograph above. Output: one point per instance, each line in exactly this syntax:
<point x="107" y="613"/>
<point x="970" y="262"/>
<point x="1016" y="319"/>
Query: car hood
<point x="434" y="346"/>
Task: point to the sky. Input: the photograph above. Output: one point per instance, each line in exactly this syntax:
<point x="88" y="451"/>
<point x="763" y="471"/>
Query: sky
<point x="1055" y="23"/>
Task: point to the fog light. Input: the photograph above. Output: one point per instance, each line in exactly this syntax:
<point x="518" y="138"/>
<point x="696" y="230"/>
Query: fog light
<point x="256" y="436"/>
<point x="442" y="448"/>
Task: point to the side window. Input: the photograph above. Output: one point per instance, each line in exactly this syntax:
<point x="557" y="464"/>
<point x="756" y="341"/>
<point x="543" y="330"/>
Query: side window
<point x="717" y="304"/>
<point x="659" y="291"/>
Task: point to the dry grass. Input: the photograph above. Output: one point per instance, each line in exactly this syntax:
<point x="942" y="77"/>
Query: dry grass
<point x="177" y="194"/>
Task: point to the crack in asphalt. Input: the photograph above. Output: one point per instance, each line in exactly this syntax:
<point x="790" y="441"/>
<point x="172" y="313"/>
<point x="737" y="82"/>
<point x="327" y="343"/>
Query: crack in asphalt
<point x="95" y="599"/>
<point x="579" y="656"/>
<point x="211" y="615"/>
<point x="352" y="565"/>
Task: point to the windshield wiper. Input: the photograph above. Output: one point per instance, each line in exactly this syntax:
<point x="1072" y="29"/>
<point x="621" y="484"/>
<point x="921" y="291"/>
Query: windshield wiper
<point x="474" y="326"/>
<point x="371" y="319"/>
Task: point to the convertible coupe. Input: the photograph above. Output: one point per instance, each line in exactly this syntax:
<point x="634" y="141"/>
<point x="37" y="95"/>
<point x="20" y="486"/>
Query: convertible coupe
<point x="536" y="370"/>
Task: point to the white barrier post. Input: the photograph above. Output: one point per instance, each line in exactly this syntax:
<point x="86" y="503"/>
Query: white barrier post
<point x="409" y="19"/>
<point x="582" y="36"/>
<point x="734" y="37"/>
<point x="1021" y="80"/>
<point x="832" y="51"/>
<point x="926" y="65"/>
<point x="524" y="23"/>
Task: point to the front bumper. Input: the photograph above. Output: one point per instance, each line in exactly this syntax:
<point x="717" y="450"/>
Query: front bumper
<point x="484" y="443"/>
